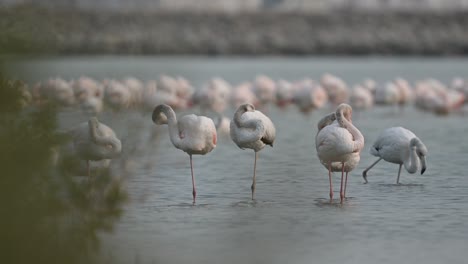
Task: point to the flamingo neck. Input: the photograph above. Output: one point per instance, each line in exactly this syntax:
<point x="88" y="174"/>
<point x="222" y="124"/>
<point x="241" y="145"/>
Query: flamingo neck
<point x="358" y="138"/>
<point x="237" y="117"/>
<point x="326" y="120"/>
<point x="173" y="127"/>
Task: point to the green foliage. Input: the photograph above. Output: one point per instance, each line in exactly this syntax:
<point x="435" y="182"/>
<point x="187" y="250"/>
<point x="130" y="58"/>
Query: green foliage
<point x="48" y="216"/>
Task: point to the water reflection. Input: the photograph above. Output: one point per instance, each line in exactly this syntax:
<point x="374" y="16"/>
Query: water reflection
<point x="49" y="216"/>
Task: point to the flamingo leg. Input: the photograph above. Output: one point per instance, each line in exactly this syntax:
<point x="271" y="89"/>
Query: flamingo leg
<point x="345" y="183"/>
<point x="364" y="173"/>
<point x="341" y="188"/>
<point x="253" y="180"/>
<point x="330" y="179"/>
<point x="88" y="168"/>
<point x="398" y="178"/>
<point x="194" y="192"/>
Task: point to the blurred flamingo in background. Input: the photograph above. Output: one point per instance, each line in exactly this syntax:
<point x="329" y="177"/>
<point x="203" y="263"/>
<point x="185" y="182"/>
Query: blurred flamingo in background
<point x="308" y="96"/>
<point x="95" y="141"/>
<point x="336" y="89"/>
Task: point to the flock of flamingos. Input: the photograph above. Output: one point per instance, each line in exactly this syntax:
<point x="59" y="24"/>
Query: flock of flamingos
<point x="338" y="142"/>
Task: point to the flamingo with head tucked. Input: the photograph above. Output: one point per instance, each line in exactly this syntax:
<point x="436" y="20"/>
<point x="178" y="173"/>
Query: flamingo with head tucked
<point x="339" y="143"/>
<point x="95" y="141"/>
<point x="252" y="129"/>
<point x="401" y="146"/>
<point x="195" y="135"/>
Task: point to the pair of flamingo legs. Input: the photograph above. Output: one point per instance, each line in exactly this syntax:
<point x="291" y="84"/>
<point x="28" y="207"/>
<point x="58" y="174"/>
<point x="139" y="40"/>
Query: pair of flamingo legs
<point x="342" y="190"/>
<point x="194" y="192"/>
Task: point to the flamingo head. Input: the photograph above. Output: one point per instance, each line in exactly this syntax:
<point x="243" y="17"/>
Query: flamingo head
<point x="421" y="151"/>
<point x="247" y="108"/>
<point x="159" y="114"/>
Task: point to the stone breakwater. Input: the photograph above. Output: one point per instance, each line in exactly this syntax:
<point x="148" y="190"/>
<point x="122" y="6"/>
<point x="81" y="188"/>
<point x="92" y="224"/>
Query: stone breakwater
<point x="265" y="33"/>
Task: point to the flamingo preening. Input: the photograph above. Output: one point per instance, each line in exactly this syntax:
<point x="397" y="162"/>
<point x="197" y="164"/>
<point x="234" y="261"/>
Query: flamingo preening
<point x="339" y="143"/>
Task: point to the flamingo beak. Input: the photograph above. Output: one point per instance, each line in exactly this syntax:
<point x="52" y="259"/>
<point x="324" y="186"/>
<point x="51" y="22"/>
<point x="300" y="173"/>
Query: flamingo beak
<point x="423" y="164"/>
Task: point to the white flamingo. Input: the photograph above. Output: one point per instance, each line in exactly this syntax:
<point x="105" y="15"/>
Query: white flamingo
<point x="336" y="88"/>
<point x="213" y="96"/>
<point x="57" y="91"/>
<point x="86" y="87"/>
<point x="222" y="124"/>
<point x="169" y="88"/>
<point x="117" y="95"/>
<point x="309" y="95"/>
<point x="252" y="129"/>
<point x="401" y="146"/>
<point x="243" y="94"/>
<point x="284" y="93"/>
<point x="92" y="106"/>
<point x="339" y="143"/>
<point x="95" y="141"/>
<point x="387" y="94"/>
<point x="361" y="98"/>
<point x="405" y="91"/>
<point x="193" y="134"/>
<point x="135" y="89"/>
<point x="265" y="89"/>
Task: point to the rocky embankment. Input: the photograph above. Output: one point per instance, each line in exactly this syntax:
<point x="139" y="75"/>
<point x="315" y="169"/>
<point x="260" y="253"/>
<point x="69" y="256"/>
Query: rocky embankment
<point x="79" y="32"/>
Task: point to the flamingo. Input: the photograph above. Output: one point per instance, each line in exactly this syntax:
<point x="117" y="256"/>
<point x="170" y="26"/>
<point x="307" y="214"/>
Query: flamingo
<point x="170" y="87"/>
<point x="57" y="91"/>
<point x="309" y="95"/>
<point x="387" y="94"/>
<point x="92" y="106"/>
<point x="135" y="89"/>
<point x="193" y="134"/>
<point x="405" y="91"/>
<point x="243" y="94"/>
<point x="86" y="87"/>
<point x="339" y="143"/>
<point x="284" y="93"/>
<point x="117" y="95"/>
<point x="252" y="129"/>
<point x="213" y="96"/>
<point x="401" y="146"/>
<point x="336" y="88"/>
<point x="265" y="89"/>
<point x="361" y="98"/>
<point x="222" y="124"/>
<point x="95" y="141"/>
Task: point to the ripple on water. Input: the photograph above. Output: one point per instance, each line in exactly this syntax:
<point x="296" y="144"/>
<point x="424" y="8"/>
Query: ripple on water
<point x="253" y="203"/>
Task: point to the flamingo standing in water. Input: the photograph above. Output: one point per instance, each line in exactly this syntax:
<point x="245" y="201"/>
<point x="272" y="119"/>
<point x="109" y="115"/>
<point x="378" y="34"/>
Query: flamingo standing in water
<point x="193" y="134"/>
<point x="401" y="146"/>
<point x="95" y="141"/>
<point x="339" y="143"/>
<point x="252" y="129"/>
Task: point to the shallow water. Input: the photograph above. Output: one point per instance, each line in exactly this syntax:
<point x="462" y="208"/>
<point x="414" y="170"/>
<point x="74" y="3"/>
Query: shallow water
<point x="291" y="221"/>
